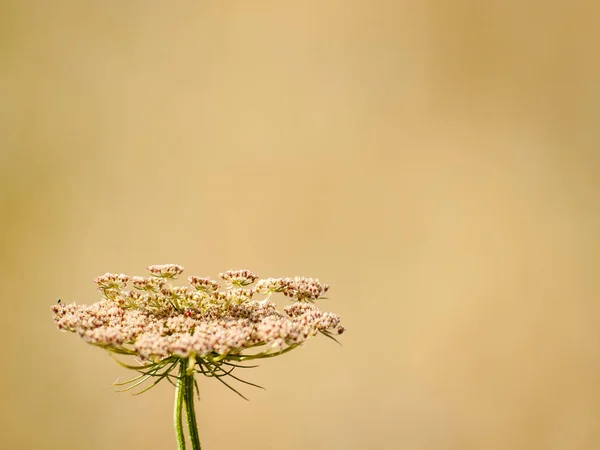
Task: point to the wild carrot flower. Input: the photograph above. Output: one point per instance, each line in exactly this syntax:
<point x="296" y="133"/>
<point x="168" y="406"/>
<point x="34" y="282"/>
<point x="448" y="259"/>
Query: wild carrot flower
<point x="196" y="328"/>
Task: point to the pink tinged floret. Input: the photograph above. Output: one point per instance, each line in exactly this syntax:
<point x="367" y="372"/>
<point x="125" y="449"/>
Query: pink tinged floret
<point x="241" y="277"/>
<point x="166" y="270"/>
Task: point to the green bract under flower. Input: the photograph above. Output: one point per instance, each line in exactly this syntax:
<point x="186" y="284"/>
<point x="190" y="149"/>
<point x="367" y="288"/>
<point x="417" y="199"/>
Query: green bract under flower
<point x="160" y="323"/>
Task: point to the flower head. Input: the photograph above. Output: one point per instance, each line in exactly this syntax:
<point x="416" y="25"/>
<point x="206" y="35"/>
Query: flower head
<point x="271" y="285"/>
<point x="212" y="330"/>
<point x="151" y="284"/>
<point x="203" y="284"/>
<point x="166" y="270"/>
<point x="238" y="277"/>
<point x="303" y="288"/>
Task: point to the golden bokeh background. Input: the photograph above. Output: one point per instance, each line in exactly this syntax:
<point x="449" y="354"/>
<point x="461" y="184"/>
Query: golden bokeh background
<point x="436" y="162"/>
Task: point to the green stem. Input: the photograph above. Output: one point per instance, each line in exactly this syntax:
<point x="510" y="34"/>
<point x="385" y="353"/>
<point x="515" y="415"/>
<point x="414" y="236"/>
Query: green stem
<point x="190" y="412"/>
<point x="180" y="393"/>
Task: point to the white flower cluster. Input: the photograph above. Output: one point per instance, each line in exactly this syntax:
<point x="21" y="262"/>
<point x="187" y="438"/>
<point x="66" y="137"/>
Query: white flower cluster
<point x="156" y="320"/>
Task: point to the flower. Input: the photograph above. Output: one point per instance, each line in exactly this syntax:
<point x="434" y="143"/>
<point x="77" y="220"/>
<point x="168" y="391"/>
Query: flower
<point x="303" y="288"/>
<point x="203" y="284"/>
<point x="166" y="270"/>
<point x="239" y="277"/>
<point x="160" y="323"/>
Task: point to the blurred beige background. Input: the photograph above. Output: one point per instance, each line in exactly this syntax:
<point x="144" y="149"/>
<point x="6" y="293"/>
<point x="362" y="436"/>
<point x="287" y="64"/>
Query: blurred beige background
<point x="436" y="162"/>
